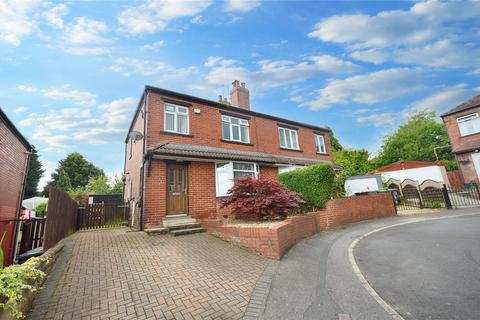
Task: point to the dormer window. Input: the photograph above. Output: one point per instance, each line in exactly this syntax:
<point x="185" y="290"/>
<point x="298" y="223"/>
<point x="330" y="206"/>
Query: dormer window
<point x="176" y="118"/>
<point x="469" y="124"/>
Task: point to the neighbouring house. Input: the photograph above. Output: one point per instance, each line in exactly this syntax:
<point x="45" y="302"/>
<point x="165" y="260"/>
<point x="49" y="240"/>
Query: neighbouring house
<point x="463" y="127"/>
<point x="182" y="153"/>
<point x="419" y="171"/>
<point x="14" y="158"/>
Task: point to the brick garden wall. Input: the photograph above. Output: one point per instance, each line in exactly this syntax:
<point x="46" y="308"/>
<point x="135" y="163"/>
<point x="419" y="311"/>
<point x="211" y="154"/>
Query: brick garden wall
<point x="274" y="240"/>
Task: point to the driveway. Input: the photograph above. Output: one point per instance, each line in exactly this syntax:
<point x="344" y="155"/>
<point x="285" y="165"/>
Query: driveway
<point x="115" y="274"/>
<point x="426" y="269"/>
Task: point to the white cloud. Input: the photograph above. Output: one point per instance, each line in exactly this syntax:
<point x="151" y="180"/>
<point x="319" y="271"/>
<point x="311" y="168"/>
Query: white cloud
<point x="379" y="119"/>
<point x="81" y="51"/>
<point x="219" y="61"/>
<point x="27" y="88"/>
<point x="85" y="31"/>
<point x="198" y="20"/>
<point x="423" y="22"/>
<point x="368" y="88"/>
<point x="154" y="15"/>
<point x="20" y="109"/>
<point x="443" y="100"/>
<point x="80" y="98"/>
<point x="279" y="43"/>
<point x="272" y="74"/>
<point x="54" y="15"/>
<point x="16" y="20"/>
<point x="129" y="66"/>
<point x="372" y="55"/>
<point x="241" y="5"/>
<point x="155" y="46"/>
<point x="442" y="53"/>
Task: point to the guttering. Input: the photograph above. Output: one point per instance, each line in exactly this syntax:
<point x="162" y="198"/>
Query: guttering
<point x="145" y="101"/>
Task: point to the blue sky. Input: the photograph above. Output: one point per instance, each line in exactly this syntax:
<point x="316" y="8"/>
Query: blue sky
<point x="71" y="72"/>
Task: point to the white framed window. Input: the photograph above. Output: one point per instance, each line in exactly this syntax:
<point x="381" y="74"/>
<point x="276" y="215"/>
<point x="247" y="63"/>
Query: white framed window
<point x="288" y="138"/>
<point x="469" y="124"/>
<point x="227" y="172"/>
<point x="176" y="118"/>
<point x="235" y="129"/>
<point x="320" y="143"/>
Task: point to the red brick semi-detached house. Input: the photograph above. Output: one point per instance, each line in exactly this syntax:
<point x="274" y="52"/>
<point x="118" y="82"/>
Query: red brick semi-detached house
<point x="183" y="152"/>
<point x="14" y="158"/>
<point x="463" y="127"/>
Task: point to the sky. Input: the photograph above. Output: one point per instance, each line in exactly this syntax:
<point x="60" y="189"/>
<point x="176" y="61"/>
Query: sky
<point x="71" y="73"/>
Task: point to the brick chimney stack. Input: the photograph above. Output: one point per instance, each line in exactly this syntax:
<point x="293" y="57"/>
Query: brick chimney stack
<point x="240" y="95"/>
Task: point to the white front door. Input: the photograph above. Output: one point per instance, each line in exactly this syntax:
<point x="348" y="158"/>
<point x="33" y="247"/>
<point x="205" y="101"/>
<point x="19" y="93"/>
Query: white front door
<point x="476" y="163"/>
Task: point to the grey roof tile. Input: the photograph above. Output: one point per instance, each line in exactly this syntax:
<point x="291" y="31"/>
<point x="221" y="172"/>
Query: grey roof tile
<point x="471" y="103"/>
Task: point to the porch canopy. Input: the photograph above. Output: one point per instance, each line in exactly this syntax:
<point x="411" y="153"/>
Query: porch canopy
<point x="172" y="150"/>
<point x="32" y="203"/>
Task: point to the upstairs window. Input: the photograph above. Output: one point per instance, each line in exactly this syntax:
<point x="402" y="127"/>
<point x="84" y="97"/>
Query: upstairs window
<point x="288" y="138"/>
<point x="235" y="129"/>
<point x="320" y="143"/>
<point x="176" y="118"/>
<point x="469" y="124"/>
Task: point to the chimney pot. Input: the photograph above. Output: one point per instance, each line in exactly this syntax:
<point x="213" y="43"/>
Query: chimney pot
<point x="240" y="95"/>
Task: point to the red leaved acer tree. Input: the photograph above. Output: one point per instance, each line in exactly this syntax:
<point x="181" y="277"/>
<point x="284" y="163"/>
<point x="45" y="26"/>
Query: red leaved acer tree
<point x="261" y="199"/>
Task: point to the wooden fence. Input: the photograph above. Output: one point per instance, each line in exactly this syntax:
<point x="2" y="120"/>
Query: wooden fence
<point x="61" y="217"/>
<point x="455" y="179"/>
<point x="33" y="231"/>
<point x="102" y="215"/>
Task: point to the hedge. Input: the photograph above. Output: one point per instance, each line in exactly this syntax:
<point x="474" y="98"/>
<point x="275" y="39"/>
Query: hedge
<point x="316" y="184"/>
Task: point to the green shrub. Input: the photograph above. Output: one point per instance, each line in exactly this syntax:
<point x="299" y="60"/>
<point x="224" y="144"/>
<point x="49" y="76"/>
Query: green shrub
<point x="15" y="281"/>
<point x="316" y="184"/>
<point x="41" y="209"/>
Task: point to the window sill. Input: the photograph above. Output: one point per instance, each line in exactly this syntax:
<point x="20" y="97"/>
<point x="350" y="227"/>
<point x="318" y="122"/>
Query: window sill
<point x="236" y="142"/>
<point x="177" y="134"/>
<point x="322" y="153"/>
<point x="295" y="150"/>
<point x="471" y="134"/>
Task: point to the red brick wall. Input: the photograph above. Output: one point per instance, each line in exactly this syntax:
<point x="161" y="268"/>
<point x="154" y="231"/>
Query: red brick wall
<point x="13" y="159"/>
<point x="201" y="192"/>
<point x="155" y="194"/>
<point x="467" y="169"/>
<point x="455" y="179"/>
<point x="353" y="209"/>
<point x="274" y="241"/>
<point x="205" y="129"/>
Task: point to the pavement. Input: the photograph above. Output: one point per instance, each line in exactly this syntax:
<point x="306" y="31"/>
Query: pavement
<point x="316" y="279"/>
<point x="116" y="274"/>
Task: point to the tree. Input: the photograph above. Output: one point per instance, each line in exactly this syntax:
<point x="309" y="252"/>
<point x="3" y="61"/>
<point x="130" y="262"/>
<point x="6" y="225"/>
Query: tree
<point x="97" y="185"/>
<point x="117" y="187"/>
<point x="35" y="172"/>
<point x="336" y="146"/>
<point x="415" y="140"/>
<point x="353" y="162"/>
<point x="77" y="169"/>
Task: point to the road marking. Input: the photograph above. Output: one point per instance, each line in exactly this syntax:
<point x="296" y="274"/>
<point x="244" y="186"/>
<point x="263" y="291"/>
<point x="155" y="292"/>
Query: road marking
<point x="388" y="308"/>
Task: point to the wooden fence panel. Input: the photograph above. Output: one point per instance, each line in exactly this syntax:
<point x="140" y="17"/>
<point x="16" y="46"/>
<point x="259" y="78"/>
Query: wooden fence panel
<point x="33" y="231"/>
<point x="102" y="215"/>
<point x="455" y="179"/>
<point x="61" y="217"/>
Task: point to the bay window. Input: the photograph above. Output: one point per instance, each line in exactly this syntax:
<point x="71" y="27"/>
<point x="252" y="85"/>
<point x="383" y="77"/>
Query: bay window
<point x="235" y="129"/>
<point x="469" y="124"/>
<point x="176" y="118"/>
<point x="288" y="138"/>
<point x="227" y="172"/>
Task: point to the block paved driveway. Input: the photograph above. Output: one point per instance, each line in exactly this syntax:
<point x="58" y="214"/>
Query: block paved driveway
<point x="115" y="274"/>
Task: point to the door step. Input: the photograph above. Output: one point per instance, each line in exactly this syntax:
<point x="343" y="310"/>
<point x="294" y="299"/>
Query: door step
<point x="181" y="232"/>
<point x="177" y="225"/>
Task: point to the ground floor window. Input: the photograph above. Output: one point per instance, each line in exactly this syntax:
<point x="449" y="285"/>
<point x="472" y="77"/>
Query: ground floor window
<point x="227" y="172"/>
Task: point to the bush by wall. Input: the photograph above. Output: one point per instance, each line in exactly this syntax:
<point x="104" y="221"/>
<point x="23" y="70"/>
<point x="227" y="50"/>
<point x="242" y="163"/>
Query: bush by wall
<point x="261" y="199"/>
<point x="316" y="184"/>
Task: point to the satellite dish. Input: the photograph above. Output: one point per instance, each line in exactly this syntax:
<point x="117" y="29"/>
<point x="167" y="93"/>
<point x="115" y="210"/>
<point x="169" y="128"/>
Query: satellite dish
<point x="135" y="135"/>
